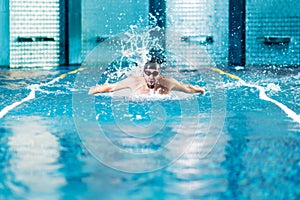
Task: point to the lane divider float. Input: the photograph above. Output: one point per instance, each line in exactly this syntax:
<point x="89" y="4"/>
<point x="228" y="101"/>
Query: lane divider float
<point x="262" y="95"/>
<point x="34" y="88"/>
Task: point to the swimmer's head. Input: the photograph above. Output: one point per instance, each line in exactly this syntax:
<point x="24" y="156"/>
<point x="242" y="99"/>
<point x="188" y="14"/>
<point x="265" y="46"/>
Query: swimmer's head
<point x="151" y="73"/>
<point x="151" y="65"/>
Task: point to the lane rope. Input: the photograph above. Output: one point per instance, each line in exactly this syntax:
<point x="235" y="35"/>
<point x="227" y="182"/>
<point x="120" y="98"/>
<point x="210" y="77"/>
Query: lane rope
<point x="262" y="95"/>
<point x="225" y="73"/>
<point x="34" y="88"/>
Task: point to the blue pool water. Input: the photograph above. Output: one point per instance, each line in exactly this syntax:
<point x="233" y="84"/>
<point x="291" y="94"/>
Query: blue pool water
<point x="226" y="145"/>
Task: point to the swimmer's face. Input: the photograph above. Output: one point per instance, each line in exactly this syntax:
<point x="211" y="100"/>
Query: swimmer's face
<point x="151" y="77"/>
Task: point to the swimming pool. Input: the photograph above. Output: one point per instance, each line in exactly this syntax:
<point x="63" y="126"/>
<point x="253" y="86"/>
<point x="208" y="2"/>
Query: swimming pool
<point x="251" y="152"/>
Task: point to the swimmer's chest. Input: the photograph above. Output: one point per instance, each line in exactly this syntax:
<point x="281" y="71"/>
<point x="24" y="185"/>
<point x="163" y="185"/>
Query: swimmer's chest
<point x="143" y="89"/>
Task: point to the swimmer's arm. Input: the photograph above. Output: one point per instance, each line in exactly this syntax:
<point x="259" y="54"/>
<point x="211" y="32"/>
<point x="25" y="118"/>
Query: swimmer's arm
<point x="102" y="88"/>
<point x="175" y="85"/>
<point x="123" y="84"/>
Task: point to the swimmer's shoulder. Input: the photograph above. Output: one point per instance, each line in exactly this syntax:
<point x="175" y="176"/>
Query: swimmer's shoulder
<point x="134" y="81"/>
<point x="166" y="80"/>
<point x="136" y="78"/>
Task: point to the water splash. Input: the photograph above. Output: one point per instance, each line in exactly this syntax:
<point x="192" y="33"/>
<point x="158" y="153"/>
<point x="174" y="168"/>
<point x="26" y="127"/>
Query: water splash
<point x="273" y="87"/>
<point x="136" y="48"/>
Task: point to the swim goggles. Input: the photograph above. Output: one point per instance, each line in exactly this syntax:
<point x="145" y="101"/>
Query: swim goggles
<point x="148" y="73"/>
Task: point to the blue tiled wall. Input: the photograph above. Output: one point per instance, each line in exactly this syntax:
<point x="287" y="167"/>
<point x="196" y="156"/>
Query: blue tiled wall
<point x="200" y="18"/>
<point x="264" y="18"/>
<point x="277" y="19"/>
<point x="105" y="18"/>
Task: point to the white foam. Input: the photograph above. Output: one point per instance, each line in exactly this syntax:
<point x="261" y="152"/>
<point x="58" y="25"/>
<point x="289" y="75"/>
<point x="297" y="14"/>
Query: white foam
<point x="273" y="87"/>
<point x="5" y="110"/>
<point x="174" y="95"/>
<point x="50" y="82"/>
<point x="30" y="96"/>
<point x="262" y="95"/>
<point x="151" y="97"/>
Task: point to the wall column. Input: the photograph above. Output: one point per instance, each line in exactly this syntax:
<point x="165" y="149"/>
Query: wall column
<point x="237" y="39"/>
<point x="157" y="8"/>
<point x="70" y="31"/>
<point x="4" y="33"/>
<point x="75" y="32"/>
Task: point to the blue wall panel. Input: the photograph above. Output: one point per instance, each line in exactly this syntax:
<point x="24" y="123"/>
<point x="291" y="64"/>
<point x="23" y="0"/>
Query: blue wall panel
<point x="102" y="18"/>
<point x="4" y="33"/>
<point x="278" y="20"/>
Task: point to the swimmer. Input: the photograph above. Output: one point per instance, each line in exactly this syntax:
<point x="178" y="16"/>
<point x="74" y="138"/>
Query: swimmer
<point x="151" y="82"/>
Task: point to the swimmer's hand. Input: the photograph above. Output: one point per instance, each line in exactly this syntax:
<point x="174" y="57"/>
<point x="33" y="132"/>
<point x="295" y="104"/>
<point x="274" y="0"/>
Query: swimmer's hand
<point x="93" y="90"/>
<point x="196" y="89"/>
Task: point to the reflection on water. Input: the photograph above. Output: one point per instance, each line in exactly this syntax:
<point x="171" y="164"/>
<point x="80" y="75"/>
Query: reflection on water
<point x="200" y="178"/>
<point x="34" y="158"/>
<point x="71" y="165"/>
<point x="234" y="153"/>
